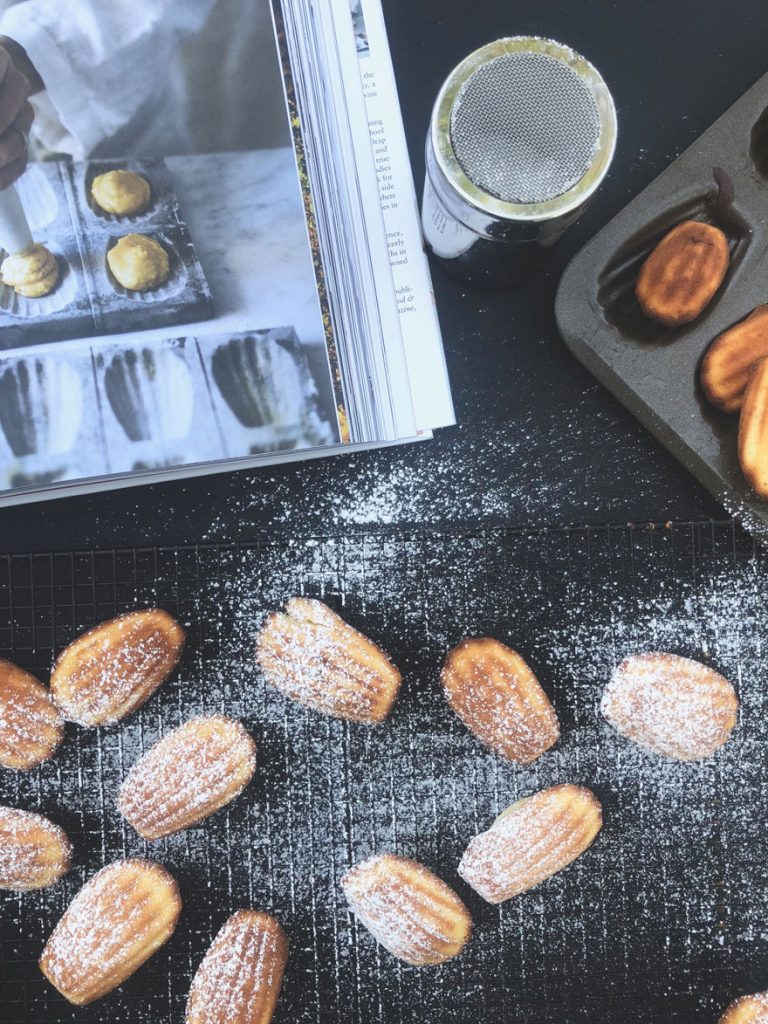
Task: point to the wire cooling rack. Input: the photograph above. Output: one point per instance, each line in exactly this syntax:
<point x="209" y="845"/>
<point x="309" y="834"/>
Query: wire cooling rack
<point x="665" y="919"/>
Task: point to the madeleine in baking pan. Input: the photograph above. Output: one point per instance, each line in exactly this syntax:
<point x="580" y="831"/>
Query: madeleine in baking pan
<point x="680" y="277"/>
<point x="406" y="908"/>
<point x="314" y="657"/>
<point x="753" y="430"/>
<point x="731" y="358"/>
<point x="120" y="192"/>
<point x="530" y="841"/>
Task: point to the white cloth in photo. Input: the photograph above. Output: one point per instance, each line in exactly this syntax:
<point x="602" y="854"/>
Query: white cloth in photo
<point x="151" y="77"/>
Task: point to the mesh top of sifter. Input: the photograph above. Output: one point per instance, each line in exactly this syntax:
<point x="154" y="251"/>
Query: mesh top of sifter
<point x="525" y="127"/>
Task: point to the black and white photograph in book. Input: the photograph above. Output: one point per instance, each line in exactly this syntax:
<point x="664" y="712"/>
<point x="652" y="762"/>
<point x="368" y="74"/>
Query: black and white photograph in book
<point x="157" y="233"/>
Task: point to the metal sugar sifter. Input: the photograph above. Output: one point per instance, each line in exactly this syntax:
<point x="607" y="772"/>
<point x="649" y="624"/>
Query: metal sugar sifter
<point x="522" y="134"/>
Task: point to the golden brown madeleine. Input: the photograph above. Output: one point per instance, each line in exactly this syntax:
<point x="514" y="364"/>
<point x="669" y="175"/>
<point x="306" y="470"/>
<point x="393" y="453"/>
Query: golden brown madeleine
<point x="239" y="980"/>
<point x="31" y="727"/>
<point x="34" y="853"/>
<point x="187" y="776"/>
<point x="675" y="706"/>
<point x="683" y="272"/>
<point x="731" y="356"/>
<point x="114" y="924"/>
<point x="314" y="657"/>
<point x="406" y="908"/>
<point x="753" y="431"/>
<point x="747" y="1010"/>
<point x="497" y="696"/>
<point x="530" y="841"/>
<point x="114" y="668"/>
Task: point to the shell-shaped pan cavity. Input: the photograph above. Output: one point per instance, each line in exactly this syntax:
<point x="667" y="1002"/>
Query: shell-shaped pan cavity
<point x="616" y="283"/>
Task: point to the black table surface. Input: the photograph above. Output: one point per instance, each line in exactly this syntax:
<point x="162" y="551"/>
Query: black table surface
<point x="538" y="441"/>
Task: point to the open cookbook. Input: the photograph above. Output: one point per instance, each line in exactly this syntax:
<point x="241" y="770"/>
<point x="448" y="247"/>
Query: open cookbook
<point x="278" y="305"/>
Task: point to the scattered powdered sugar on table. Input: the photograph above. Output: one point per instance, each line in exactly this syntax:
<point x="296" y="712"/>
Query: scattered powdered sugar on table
<point x="497" y="473"/>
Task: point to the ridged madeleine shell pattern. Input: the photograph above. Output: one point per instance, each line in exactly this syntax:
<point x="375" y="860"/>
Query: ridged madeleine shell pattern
<point x="31" y="726"/>
<point x="747" y="1010"/>
<point x="675" y="706"/>
<point x="112" y="926"/>
<point x="682" y="274"/>
<point x="497" y="696"/>
<point x="111" y="670"/>
<point x="753" y="431"/>
<point x="314" y="657"/>
<point x="34" y="853"/>
<point x="530" y="841"/>
<point x="187" y="776"/>
<point x="406" y="908"/>
<point x="238" y="981"/>
<point x="730" y="358"/>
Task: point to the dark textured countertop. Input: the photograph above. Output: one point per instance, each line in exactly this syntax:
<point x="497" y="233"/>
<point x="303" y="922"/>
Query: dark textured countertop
<point x="538" y="441"/>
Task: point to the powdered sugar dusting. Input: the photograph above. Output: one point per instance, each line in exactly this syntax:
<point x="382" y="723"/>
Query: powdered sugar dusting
<point x="407" y="909"/>
<point x="531" y="841"/>
<point x="34" y="851"/>
<point x="240" y="976"/>
<point x="658" y="919"/>
<point x="675" y="706"/>
<point x="188" y="775"/>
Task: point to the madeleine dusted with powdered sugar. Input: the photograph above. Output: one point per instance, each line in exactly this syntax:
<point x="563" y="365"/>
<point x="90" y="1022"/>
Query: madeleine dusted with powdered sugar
<point x="406" y="908"/>
<point x="238" y="981"/>
<point x="497" y="696"/>
<point x="31" y="726"/>
<point x="111" y="670"/>
<point x="317" y="659"/>
<point x="676" y="707"/>
<point x="187" y="776"/>
<point x="747" y="1010"/>
<point x="530" y="841"/>
<point x="34" y="853"/>
<point x="112" y="926"/>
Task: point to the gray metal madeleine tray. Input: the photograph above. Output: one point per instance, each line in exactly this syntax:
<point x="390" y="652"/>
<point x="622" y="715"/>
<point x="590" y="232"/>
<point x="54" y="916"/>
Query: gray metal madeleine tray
<point x="88" y="300"/>
<point x="652" y="369"/>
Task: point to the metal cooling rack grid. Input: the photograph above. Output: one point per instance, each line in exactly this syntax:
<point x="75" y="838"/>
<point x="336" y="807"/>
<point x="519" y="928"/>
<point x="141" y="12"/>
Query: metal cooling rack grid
<point x="660" y="922"/>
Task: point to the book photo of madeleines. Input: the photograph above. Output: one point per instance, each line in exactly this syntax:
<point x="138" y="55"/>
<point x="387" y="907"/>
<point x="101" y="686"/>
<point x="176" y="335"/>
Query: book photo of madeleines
<point x="159" y="302"/>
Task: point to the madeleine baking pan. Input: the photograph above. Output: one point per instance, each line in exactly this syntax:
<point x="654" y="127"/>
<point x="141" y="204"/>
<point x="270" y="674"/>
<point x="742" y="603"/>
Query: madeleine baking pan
<point x="652" y="369"/>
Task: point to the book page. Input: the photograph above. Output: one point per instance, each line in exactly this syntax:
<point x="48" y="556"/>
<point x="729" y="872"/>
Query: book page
<point x="174" y="320"/>
<point x="413" y="286"/>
